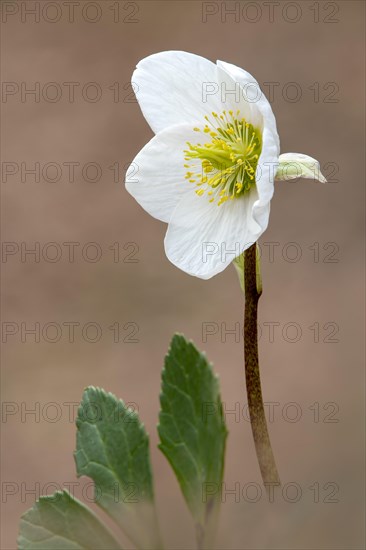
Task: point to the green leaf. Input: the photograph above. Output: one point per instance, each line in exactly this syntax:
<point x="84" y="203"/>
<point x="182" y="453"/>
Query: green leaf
<point x="193" y="433"/>
<point x="238" y="263"/>
<point x="60" y="522"/>
<point x="112" y="448"/>
<point x="239" y="267"/>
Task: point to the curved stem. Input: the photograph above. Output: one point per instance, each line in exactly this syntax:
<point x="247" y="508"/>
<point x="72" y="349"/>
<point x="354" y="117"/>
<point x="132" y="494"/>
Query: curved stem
<point x="258" y="421"/>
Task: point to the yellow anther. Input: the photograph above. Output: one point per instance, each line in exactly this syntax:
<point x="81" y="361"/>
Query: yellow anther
<point x="222" y="200"/>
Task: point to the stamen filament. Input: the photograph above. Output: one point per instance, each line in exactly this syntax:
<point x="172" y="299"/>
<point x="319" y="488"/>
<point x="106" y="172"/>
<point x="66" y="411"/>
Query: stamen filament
<point x="228" y="161"/>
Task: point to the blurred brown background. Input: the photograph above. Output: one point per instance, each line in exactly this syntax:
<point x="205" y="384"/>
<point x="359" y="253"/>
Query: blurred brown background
<point x="318" y="379"/>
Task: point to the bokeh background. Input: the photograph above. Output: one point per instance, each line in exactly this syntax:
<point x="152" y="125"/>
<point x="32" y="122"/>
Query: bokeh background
<point x="316" y="382"/>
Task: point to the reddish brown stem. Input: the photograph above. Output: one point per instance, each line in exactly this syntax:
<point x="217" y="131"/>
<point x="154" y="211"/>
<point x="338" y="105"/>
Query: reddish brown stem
<point x="258" y="421"/>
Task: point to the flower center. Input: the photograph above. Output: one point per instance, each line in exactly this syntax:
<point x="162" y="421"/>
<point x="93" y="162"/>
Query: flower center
<point x="224" y="167"/>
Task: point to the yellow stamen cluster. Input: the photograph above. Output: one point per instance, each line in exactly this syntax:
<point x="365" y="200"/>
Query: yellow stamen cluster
<point x="224" y="167"/>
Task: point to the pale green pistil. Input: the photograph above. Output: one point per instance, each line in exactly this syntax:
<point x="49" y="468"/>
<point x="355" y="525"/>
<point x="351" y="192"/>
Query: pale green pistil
<point x="225" y="167"/>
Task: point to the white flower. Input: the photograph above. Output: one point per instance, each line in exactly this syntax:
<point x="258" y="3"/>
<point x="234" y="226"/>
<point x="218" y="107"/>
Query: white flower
<point x="209" y="171"/>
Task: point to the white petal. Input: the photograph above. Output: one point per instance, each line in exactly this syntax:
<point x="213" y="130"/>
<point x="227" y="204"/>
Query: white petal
<point x="233" y="97"/>
<point x="268" y="160"/>
<point x="297" y="165"/>
<point x="175" y="88"/>
<point x="156" y="177"/>
<point x="265" y="176"/>
<point x="254" y="95"/>
<point x="203" y="238"/>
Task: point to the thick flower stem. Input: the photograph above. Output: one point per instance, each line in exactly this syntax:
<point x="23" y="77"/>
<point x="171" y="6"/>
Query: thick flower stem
<point x="252" y="376"/>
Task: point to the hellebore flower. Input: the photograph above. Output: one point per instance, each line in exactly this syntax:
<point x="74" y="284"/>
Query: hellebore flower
<point x="209" y="171"/>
